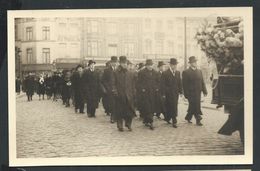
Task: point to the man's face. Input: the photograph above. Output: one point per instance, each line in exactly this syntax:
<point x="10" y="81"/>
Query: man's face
<point x="193" y="64"/>
<point x="123" y="65"/>
<point x="92" y="66"/>
<point x="80" y="69"/>
<point x="161" y="68"/>
<point x="149" y="67"/>
<point x="173" y="67"/>
<point x="113" y="64"/>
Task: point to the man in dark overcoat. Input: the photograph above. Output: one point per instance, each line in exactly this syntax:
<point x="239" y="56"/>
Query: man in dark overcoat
<point x="125" y="93"/>
<point x="105" y="100"/>
<point x="108" y="81"/>
<point x="172" y="88"/>
<point x="159" y="99"/>
<point x="78" y="89"/>
<point x="193" y="85"/>
<point x="29" y="86"/>
<point x="92" y="83"/>
<point x="149" y="86"/>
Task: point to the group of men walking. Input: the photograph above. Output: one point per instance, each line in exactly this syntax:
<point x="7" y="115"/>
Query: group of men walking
<point x="125" y="90"/>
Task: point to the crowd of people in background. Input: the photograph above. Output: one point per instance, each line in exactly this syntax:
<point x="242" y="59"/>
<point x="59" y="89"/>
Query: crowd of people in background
<point x="123" y="88"/>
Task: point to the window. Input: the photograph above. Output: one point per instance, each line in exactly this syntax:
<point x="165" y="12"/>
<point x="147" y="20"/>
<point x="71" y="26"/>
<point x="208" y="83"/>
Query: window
<point x="29" y="33"/>
<point x="148" y="46"/>
<point x="46" y="33"/>
<point x="170" y="47"/>
<point x="130" y="29"/>
<point x="29" y="55"/>
<point x="112" y="50"/>
<point x="112" y="28"/>
<point x="170" y="24"/>
<point x="129" y="49"/>
<point x="148" y="23"/>
<point x="46" y="55"/>
<point x="92" y="48"/>
<point x="159" y="47"/>
<point x="92" y="26"/>
<point x="62" y="31"/>
<point x="159" y="24"/>
<point x="180" y="48"/>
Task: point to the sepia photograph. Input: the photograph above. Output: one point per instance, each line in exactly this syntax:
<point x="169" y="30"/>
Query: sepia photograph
<point x="130" y="86"/>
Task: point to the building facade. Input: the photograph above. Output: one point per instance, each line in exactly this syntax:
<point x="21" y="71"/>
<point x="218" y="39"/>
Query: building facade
<point x="42" y="42"/>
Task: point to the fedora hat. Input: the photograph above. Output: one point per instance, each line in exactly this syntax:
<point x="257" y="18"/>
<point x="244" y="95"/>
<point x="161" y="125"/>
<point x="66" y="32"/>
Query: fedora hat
<point x="122" y="59"/>
<point x="78" y="66"/>
<point x="140" y="65"/>
<point x="173" y="61"/>
<point x="192" y="59"/>
<point x="91" y="62"/>
<point x="113" y="59"/>
<point x="160" y="63"/>
<point x="149" y="62"/>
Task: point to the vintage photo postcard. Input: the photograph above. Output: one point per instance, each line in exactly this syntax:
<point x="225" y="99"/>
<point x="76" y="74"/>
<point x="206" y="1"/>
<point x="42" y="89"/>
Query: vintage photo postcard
<point x="162" y="86"/>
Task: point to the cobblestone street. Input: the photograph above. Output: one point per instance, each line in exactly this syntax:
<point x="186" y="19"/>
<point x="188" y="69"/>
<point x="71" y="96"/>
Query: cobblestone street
<point x="48" y="129"/>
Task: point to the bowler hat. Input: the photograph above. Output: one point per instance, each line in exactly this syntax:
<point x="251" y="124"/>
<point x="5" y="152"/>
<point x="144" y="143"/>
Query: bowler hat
<point x="173" y="61"/>
<point x="140" y="65"/>
<point x="149" y="62"/>
<point x="78" y="66"/>
<point x="192" y="59"/>
<point x="122" y="59"/>
<point x="160" y="63"/>
<point x="113" y="59"/>
<point x="91" y="62"/>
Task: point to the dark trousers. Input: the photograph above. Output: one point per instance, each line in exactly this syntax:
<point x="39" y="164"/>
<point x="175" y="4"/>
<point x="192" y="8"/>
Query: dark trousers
<point x="148" y="118"/>
<point x="91" y="109"/>
<point x="79" y="103"/>
<point x="172" y="117"/>
<point x="128" y="122"/>
<point x="194" y="108"/>
<point x="29" y="97"/>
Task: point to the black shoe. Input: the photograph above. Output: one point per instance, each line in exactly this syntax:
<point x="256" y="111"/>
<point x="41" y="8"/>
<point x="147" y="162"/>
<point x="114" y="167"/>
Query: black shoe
<point x="151" y="126"/>
<point x="174" y="125"/>
<point x="188" y="120"/>
<point x="169" y="122"/>
<point x="111" y="121"/>
<point x="120" y="129"/>
<point x="199" y="123"/>
<point x="76" y="110"/>
<point x="146" y="124"/>
<point x="129" y="128"/>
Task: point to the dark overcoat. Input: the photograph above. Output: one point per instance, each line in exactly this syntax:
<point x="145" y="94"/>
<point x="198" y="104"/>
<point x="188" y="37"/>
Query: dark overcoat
<point x="78" y="87"/>
<point x="159" y="100"/>
<point x="18" y="85"/>
<point x="172" y="87"/>
<point x="193" y="85"/>
<point x="125" y="93"/>
<point x="108" y="82"/>
<point x="92" y="87"/>
<point x="29" y="85"/>
<point x="148" y="85"/>
<point x="41" y="88"/>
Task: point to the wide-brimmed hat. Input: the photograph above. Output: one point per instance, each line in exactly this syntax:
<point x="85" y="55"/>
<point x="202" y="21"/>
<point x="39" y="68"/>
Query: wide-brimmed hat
<point x="122" y="59"/>
<point x="78" y="66"/>
<point x="149" y="62"/>
<point x="160" y="63"/>
<point x="140" y="65"/>
<point x="91" y="62"/>
<point x="173" y="61"/>
<point x="113" y="59"/>
<point x="192" y="59"/>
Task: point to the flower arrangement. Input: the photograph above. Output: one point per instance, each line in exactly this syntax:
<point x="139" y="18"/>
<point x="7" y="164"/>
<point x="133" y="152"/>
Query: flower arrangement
<point x="223" y="43"/>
